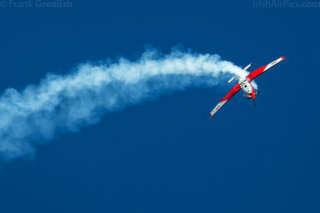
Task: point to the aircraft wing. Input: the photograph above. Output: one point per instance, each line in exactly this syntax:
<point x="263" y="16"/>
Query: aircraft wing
<point x="226" y="98"/>
<point x="261" y="70"/>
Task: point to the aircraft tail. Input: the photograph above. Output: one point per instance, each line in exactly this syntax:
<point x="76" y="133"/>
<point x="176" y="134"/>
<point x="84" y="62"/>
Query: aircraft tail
<point x="231" y="79"/>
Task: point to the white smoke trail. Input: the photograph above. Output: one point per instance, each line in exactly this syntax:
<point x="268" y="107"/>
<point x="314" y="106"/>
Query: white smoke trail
<point x="65" y="103"/>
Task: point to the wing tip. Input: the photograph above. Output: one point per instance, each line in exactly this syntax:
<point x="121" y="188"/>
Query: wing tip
<point x="282" y="57"/>
<point x="210" y="115"/>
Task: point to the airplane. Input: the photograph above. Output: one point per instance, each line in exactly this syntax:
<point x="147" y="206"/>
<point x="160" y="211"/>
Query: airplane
<point x="246" y="84"/>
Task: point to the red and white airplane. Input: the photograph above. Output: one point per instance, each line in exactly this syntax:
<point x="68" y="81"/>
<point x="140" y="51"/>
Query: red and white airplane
<point x="245" y="84"/>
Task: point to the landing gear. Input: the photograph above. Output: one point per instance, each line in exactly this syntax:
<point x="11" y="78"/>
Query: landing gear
<point x="254" y="102"/>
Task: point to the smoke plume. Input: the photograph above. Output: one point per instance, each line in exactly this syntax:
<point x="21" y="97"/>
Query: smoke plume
<point x="66" y="103"/>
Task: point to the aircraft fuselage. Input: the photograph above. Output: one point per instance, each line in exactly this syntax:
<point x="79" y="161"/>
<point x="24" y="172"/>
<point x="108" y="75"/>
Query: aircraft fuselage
<point x="247" y="88"/>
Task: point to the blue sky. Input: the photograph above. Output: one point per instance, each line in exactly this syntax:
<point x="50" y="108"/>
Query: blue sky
<point x="166" y="155"/>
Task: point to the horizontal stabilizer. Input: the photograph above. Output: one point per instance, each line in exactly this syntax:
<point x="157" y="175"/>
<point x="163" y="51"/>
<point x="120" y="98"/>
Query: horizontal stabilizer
<point x="247" y="67"/>
<point x="231" y="79"/>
